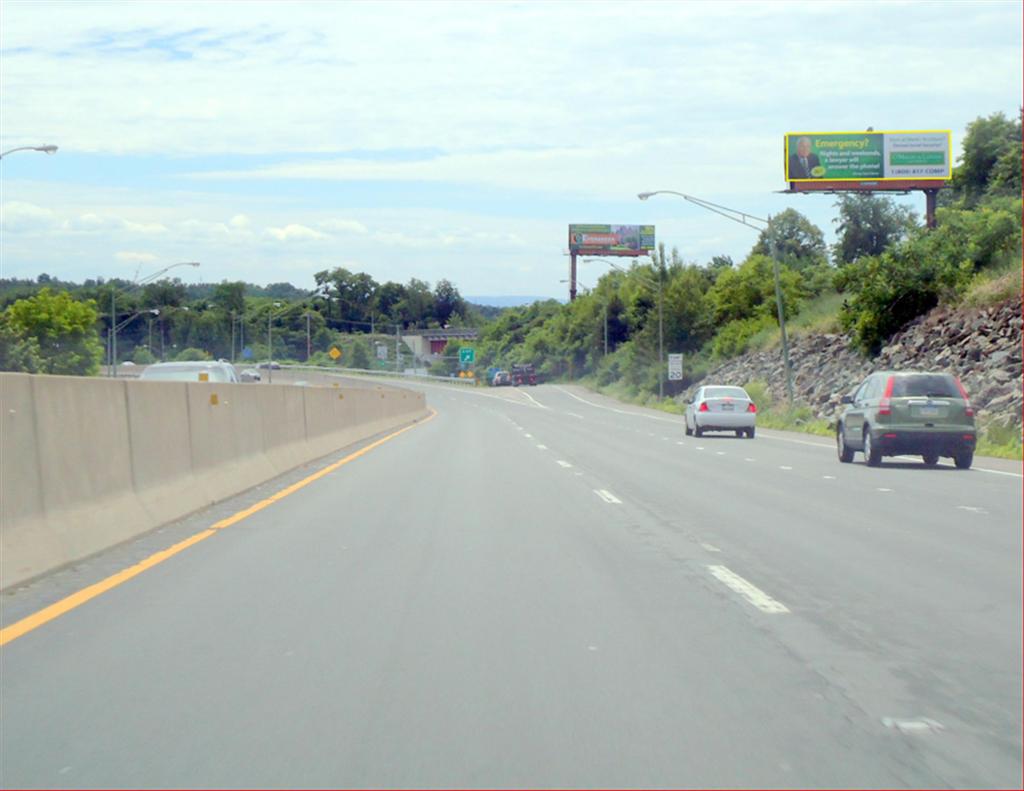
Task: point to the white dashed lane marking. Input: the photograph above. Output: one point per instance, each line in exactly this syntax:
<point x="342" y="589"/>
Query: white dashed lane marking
<point x="710" y="547"/>
<point x="748" y="591"/>
<point x="607" y="496"/>
<point x="784" y="467"/>
<point x="883" y="489"/>
<point x="542" y="447"/>
<point x="565" y="464"/>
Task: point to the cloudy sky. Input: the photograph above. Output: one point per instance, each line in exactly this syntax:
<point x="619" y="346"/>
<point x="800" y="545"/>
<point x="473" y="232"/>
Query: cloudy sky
<point x="270" y="140"/>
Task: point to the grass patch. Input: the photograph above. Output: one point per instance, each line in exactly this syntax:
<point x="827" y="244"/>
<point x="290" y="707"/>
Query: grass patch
<point x="995" y="284"/>
<point x="817" y="317"/>
<point x="1001" y="441"/>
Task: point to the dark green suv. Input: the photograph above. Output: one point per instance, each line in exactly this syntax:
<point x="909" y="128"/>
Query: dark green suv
<point x="894" y="413"/>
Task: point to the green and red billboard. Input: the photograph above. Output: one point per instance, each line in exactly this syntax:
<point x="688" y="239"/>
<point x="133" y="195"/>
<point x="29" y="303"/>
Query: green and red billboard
<point x="611" y="239"/>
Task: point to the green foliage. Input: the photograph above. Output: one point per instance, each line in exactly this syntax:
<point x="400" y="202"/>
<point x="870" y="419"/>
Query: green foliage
<point x="867" y="225"/>
<point x="18" y="353"/>
<point x="749" y="290"/>
<point x="734" y="338"/>
<point x="798" y="242"/>
<point x="990" y="160"/>
<point x="143" y="356"/>
<point x="192" y="354"/>
<point x="360" y="355"/>
<point x="885" y="292"/>
<point x="51" y="333"/>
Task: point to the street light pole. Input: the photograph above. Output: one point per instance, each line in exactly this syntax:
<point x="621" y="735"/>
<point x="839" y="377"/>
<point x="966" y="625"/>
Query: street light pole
<point x="743" y="218"/>
<point x="270" y="343"/>
<point x="112" y="339"/>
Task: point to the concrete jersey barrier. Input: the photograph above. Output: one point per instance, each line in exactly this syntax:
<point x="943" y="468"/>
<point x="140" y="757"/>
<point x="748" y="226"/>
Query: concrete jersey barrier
<point x="87" y="463"/>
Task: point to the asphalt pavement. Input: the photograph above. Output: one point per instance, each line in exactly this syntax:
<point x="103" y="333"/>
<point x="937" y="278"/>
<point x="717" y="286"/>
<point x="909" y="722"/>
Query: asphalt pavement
<point x="543" y="587"/>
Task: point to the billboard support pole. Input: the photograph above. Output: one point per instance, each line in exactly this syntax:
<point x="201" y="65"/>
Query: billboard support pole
<point x="572" y="277"/>
<point x="929" y="210"/>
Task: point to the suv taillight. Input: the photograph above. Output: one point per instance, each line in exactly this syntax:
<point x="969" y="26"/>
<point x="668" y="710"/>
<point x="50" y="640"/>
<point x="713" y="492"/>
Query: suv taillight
<point x="703" y="406"/>
<point x="885" y="405"/>
<point x="968" y="409"/>
<point x="751" y="407"/>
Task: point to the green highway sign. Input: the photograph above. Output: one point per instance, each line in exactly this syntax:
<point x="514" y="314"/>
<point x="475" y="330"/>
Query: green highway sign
<point x="467" y="355"/>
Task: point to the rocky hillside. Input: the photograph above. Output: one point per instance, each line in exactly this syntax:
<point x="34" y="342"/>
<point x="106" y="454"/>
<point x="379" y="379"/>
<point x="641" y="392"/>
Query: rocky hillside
<point x="981" y="346"/>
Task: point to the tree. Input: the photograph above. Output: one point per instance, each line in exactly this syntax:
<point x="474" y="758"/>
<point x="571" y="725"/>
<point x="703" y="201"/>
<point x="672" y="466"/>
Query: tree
<point x="749" y="290"/>
<point x="867" y="225"/>
<point x="230" y="297"/>
<point x="360" y="355"/>
<point x="54" y="333"/>
<point x="990" y="159"/>
<point x="799" y="243"/>
<point x="192" y="354"/>
<point x="447" y="302"/>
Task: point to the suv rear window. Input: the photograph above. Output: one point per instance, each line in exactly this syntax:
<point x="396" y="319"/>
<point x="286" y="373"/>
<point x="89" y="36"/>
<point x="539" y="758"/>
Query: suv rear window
<point x="939" y="385"/>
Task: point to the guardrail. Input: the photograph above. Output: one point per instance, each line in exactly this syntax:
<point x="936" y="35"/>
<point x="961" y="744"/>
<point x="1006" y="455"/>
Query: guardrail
<point x="369" y="372"/>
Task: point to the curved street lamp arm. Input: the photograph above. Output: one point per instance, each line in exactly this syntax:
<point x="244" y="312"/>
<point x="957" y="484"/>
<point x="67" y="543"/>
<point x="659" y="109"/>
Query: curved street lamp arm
<point x="732" y="214"/>
<point x="44" y="149"/>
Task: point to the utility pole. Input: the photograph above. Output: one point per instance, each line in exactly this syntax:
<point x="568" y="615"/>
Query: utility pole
<point x="661" y="331"/>
<point x="309" y="345"/>
<point x="111" y="336"/>
<point x="606" y="328"/>
<point x="232" y="337"/>
<point x="398" y="340"/>
<point x="782" y="318"/>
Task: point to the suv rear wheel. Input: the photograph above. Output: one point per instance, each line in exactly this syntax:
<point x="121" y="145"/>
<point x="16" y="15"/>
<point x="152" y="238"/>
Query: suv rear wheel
<point x="964" y="459"/>
<point x="845" y="454"/>
<point x="872" y="455"/>
<point x="930" y="459"/>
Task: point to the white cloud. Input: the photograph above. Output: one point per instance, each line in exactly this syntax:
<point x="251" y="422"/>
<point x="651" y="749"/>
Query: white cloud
<point x="343" y="226"/>
<point x="294" y="232"/>
<point x="239" y="221"/>
<point x="17" y="216"/>
<point x="133" y="257"/>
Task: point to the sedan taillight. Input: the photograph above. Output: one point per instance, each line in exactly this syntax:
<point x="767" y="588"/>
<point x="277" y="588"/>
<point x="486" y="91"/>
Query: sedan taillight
<point x="703" y="406"/>
<point x="751" y="407"/>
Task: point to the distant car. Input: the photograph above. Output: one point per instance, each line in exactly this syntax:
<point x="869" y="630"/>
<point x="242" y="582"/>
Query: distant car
<point x="907" y="412"/>
<point x="128" y="363"/>
<point x="249" y="375"/>
<point x="523" y="375"/>
<point x="721" y="408"/>
<point x="273" y="366"/>
<point x="190" y="372"/>
<point x="501" y="379"/>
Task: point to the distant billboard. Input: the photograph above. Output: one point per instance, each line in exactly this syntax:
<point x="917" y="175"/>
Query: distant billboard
<point x="611" y="239"/>
<point x="832" y="157"/>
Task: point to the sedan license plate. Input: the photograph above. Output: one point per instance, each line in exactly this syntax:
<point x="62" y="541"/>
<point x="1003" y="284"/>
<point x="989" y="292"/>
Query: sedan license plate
<point x="727" y="407"/>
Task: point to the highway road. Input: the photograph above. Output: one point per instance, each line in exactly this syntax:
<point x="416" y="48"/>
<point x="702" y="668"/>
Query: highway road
<point x="543" y="587"/>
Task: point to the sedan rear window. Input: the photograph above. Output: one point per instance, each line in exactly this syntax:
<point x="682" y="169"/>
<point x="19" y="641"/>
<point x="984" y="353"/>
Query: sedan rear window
<point x="725" y="392"/>
<point x="938" y="385"/>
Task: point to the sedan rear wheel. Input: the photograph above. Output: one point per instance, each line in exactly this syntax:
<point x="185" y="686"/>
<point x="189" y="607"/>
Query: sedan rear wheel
<point x="750" y="433"/>
<point x="930" y="459"/>
<point x="697" y="430"/>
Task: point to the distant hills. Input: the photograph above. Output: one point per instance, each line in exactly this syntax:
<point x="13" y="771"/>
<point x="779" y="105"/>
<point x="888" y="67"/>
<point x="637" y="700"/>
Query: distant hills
<point x="507" y="301"/>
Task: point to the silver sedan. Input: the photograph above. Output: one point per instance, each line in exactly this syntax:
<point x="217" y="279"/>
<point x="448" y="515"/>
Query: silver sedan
<point x="721" y="408"/>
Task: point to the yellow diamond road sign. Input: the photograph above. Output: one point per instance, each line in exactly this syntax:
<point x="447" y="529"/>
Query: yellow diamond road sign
<point x="335" y="352"/>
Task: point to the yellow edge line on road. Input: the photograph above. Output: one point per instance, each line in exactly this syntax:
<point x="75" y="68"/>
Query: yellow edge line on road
<point x="77" y="599"/>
